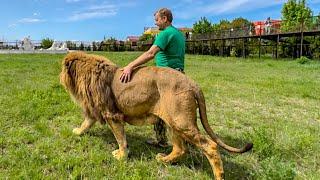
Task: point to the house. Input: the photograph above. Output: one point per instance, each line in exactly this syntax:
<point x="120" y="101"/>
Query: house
<point x="260" y="27"/>
<point x="151" y="30"/>
<point x="155" y="30"/>
<point x="133" y="40"/>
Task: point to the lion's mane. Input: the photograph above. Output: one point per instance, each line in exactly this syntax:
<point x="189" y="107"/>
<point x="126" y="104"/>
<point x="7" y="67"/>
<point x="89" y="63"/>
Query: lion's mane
<point x="88" y="79"/>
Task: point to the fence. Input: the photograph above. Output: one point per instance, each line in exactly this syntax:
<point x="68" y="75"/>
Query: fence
<point x="259" y="28"/>
<point x="72" y="45"/>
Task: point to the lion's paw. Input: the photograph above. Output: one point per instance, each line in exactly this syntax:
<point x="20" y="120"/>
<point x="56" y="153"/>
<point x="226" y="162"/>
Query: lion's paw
<point x="77" y="131"/>
<point x="120" y="155"/>
<point x="161" y="157"/>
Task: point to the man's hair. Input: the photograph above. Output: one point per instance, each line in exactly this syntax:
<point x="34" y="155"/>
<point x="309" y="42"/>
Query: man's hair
<point x="165" y="12"/>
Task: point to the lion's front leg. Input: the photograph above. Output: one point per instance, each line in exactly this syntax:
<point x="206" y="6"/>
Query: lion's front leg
<point x="86" y="124"/>
<point x="114" y="116"/>
<point x="118" y="131"/>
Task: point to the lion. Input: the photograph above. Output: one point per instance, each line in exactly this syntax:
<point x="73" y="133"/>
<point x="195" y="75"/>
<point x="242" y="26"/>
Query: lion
<point x="94" y="83"/>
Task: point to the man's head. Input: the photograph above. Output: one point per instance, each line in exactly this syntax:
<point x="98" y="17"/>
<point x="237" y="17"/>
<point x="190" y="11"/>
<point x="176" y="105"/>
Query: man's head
<point x="163" y="18"/>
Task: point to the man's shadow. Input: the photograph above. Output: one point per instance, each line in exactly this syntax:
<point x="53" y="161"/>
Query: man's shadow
<point x="194" y="158"/>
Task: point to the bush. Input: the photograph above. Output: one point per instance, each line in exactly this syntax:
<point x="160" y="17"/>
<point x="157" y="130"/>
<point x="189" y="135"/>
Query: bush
<point x="46" y="43"/>
<point x="303" y="60"/>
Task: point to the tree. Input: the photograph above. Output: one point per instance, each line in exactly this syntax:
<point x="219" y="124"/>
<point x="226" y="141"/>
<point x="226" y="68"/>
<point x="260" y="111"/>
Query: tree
<point x="146" y="37"/>
<point x="109" y="44"/>
<point x="71" y="45"/>
<point x="94" y="46"/>
<point x="295" y="15"/>
<point x="224" y="25"/>
<point x="81" y="46"/>
<point x="240" y="23"/>
<point x="202" y="26"/>
<point x="110" y="40"/>
<point x="46" y="43"/>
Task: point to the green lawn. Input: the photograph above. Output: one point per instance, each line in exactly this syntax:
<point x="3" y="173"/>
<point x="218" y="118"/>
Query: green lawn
<point x="274" y="104"/>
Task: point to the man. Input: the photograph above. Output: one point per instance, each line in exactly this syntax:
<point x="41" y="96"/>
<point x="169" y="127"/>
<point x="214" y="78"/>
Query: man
<point x="267" y="25"/>
<point x="168" y="50"/>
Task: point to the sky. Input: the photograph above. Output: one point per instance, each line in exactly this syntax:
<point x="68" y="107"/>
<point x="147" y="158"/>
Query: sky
<point x="92" y="20"/>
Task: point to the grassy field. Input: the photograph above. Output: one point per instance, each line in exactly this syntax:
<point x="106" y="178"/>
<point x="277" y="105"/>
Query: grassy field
<point x="274" y="104"/>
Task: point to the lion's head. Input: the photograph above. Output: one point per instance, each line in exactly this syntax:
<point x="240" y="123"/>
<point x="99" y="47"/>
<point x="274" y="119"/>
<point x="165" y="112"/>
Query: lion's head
<point x="87" y="78"/>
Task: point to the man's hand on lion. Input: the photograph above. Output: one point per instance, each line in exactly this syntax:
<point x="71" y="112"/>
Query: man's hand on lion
<point x="126" y="74"/>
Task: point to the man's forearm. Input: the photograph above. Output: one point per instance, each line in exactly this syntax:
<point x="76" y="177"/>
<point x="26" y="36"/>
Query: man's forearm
<point x="144" y="58"/>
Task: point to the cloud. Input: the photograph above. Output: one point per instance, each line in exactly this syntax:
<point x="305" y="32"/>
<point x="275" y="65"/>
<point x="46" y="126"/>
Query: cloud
<point x="25" y="21"/>
<point x="314" y="1"/>
<point x="12" y="25"/>
<point x="72" y="1"/>
<point x="102" y="7"/>
<point x="94" y="11"/>
<point x="30" y="20"/>
<point x="227" y="6"/>
<point x="98" y="11"/>
<point x="90" y="15"/>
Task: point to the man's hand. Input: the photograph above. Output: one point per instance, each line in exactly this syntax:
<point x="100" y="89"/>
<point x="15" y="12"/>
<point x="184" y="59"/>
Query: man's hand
<point x="145" y="57"/>
<point x="126" y="74"/>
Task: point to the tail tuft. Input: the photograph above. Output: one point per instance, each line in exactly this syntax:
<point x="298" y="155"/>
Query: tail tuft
<point x="248" y="147"/>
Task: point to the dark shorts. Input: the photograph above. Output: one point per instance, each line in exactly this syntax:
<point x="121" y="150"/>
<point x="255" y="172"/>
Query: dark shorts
<point x="179" y="69"/>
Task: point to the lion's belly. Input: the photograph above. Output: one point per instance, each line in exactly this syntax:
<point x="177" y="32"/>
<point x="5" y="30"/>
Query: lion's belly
<point x="135" y="102"/>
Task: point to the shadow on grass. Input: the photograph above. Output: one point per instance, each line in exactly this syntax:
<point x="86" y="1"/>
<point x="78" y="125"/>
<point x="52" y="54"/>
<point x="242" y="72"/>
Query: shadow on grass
<point x="235" y="170"/>
<point x="193" y="160"/>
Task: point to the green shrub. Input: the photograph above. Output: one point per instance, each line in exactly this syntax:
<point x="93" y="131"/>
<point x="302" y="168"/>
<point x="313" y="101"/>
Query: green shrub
<point x="46" y="43"/>
<point x="276" y="168"/>
<point x="303" y="60"/>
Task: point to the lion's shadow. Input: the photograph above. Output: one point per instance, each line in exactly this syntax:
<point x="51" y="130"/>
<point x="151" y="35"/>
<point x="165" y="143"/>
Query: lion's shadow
<point x="194" y="159"/>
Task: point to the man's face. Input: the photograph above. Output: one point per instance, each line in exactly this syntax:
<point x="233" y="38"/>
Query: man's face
<point x="160" y="21"/>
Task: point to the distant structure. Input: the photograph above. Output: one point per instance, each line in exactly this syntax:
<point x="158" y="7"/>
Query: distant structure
<point x="155" y="30"/>
<point x="64" y="47"/>
<point x="262" y="28"/>
<point x="26" y="44"/>
<point x="133" y="40"/>
<point x="151" y="30"/>
<point x="56" y="46"/>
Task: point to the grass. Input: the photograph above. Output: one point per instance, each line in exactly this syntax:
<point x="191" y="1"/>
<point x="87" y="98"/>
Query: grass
<point x="274" y="104"/>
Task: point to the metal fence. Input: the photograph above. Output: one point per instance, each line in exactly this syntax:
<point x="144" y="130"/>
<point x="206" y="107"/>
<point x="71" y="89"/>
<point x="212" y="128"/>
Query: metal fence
<point x="17" y="44"/>
<point x="259" y="28"/>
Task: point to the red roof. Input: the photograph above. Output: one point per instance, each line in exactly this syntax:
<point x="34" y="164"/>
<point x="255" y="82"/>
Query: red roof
<point x="133" y="38"/>
<point x="185" y="29"/>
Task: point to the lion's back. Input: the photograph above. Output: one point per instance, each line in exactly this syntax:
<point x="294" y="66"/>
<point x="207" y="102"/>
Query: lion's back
<point x="147" y="85"/>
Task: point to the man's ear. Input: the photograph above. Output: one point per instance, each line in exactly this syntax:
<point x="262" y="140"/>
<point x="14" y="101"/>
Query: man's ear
<point x="165" y="18"/>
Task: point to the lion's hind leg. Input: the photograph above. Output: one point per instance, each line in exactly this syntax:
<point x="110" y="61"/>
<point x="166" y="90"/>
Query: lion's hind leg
<point x="178" y="149"/>
<point x="209" y="148"/>
<point x="182" y="118"/>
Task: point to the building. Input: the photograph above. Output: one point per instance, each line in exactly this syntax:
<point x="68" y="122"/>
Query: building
<point x="155" y="30"/>
<point x="260" y="27"/>
<point x="133" y="40"/>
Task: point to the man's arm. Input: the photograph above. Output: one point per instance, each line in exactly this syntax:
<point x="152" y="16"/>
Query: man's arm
<point x="142" y="59"/>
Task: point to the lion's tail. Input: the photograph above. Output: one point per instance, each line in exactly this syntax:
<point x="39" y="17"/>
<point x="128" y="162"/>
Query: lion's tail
<point x="204" y="121"/>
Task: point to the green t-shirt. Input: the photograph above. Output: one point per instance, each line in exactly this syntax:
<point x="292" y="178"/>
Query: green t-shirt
<point x="172" y="48"/>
